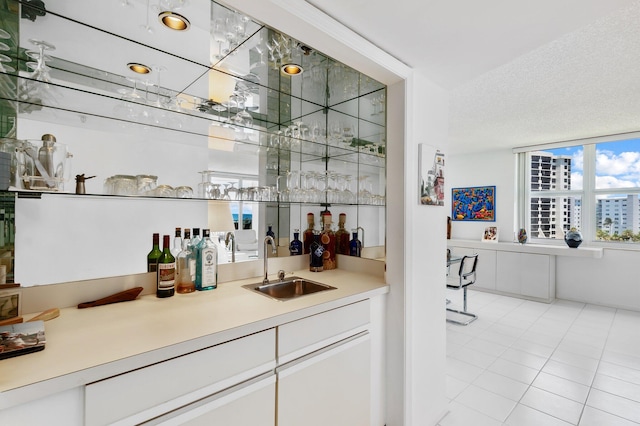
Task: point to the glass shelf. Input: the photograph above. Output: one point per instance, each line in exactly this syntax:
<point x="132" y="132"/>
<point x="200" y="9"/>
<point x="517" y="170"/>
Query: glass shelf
<point x="173" y="123"/>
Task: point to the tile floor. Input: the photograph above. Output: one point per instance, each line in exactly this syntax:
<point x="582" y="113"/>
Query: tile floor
<point x="524" y="363"/>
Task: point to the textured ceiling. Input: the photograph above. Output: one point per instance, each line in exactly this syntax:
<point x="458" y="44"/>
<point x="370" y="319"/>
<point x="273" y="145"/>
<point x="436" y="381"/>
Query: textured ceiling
<point x="519" y="73"/>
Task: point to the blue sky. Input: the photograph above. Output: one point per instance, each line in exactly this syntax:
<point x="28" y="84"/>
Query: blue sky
<point x="617" y="164"/>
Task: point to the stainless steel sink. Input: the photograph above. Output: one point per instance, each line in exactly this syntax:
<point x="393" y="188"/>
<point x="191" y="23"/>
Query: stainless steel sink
<point x="289" y="288"/>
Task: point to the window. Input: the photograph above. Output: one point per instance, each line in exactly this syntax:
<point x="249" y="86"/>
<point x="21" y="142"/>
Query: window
<point x="599" y="194"/>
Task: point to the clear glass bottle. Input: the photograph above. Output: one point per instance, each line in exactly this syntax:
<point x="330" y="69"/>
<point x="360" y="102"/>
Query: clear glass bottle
<point x="295" y="247"/>
<point x="316" y="254"/>
<point x="355" y="246"/>
<point x="154" y="254"/>
<point x="195" y="240"/>
<point x="185" y="283"/>
<point x="177" y="243"/>
<point x="206" y="263"/>
<point x="307" y="236"/>
<point x="342" y="236"/>
<point x="166" y="273"/>
<point x="328" y="240"/>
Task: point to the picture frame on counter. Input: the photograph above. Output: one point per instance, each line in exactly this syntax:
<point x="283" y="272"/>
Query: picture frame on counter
<point x="490" y="234"/>
<point x="10" y="304"/>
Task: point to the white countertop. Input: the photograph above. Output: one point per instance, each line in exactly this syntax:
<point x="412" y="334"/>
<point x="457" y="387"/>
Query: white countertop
<point x="554" y="250"/>
<point x="85" y="345"/>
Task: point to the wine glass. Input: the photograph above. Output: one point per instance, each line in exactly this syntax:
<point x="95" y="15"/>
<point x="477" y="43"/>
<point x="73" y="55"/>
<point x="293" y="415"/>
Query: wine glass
<point x="214" y="191"/>
<point x="146" y="26"/>
<point x="364" y="190"/>
<point x="232" y="191"/>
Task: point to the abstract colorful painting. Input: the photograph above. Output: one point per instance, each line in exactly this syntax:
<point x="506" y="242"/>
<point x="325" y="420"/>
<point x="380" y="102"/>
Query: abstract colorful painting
<point x="474" y="204"/>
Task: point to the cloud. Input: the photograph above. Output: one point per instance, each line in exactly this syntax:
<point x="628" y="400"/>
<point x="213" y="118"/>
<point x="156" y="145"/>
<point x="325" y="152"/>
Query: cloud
<point x="603" y="182"/>
<point x="577" y="161"/>
<point x="617" y="170"/>
<point x="576" y="180"/>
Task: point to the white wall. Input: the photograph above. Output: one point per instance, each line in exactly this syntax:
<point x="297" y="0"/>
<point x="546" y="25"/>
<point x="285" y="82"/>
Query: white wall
<point x="479" y="169"/>
<point x="609" y="281"/>
<point x="425" y="244"/>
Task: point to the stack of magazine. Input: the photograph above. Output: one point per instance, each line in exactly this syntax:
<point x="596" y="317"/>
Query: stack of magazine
<point x="20" y="339"/>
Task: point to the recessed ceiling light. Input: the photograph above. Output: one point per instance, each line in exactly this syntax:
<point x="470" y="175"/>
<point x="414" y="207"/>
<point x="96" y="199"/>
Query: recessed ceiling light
<point x="174" y="21"/>
<point x="291" y="69"/>
<point x="139" y="68"/>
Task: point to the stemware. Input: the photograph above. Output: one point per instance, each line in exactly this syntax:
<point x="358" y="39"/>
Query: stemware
<point x="364" y="190"/>
<point x="146" y="26"/>
<point x="214" y="191"/>
<point x="37" y="88"/>
<point x="232" y="191"/>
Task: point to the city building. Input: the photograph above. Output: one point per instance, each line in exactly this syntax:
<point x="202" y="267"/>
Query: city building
<point x="550" y="216"/>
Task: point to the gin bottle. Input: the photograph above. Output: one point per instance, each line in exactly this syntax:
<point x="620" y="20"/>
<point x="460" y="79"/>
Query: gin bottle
<point x="206" y="263"/>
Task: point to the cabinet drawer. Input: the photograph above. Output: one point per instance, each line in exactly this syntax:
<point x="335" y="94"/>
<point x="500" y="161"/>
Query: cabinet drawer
<point x="252" y="403"/>
<point x="142" y="394"/>
<point x="301" y="337"/>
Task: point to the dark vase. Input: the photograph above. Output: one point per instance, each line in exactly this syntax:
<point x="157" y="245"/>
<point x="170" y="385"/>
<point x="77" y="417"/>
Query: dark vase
<point x="573" y="238"/>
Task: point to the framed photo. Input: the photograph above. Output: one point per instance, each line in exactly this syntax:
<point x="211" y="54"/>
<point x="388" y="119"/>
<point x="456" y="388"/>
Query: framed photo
<point x="10" y="304"/>
<point x="431" y="175"/>
<point x="490" y="234"/>
<point x="476" y="203"/>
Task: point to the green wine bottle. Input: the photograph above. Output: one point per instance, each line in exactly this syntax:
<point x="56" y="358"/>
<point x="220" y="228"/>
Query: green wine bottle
<point x="154" y="254"/>
<point x="166" y="274"/>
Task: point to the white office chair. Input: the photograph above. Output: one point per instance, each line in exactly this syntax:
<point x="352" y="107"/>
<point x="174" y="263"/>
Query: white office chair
<point x="466" y="277"/>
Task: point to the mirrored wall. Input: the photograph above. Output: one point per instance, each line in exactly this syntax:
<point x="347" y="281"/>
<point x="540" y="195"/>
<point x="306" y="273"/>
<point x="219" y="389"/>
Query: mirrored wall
<point x="161" y="124"/>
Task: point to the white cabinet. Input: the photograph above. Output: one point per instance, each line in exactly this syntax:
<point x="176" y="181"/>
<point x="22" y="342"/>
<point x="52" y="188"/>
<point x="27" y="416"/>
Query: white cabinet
<point x="149" y="392"/>
<point x="252" y="403"/>
<point x="525" y="274"/>
<point x="331" y="387"/>
<point x="512" y="269"/>
<point x="324" y="368"/>
<point x="65" y="405"/>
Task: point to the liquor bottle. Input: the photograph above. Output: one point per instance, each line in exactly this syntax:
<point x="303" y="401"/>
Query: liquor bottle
<point x="177" y="243"/>
<point x="328" y="240"/>
<point x="342" y="236"/>
<point x="206" y="263"/>
<point x="194" y="244"/>
<point x="154" y="254"/>
<point x="307" y="236"/>
<point x="316" y="253"/>
<point x="166" y="273"/>
<point x="185" y="283"/>
<point x="270" y="232"/>
<point x="355" y="246"/>
<point x="295" y="247"/>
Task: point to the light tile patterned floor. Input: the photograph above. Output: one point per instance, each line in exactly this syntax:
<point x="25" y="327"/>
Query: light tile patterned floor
<point x="527" y="363"/>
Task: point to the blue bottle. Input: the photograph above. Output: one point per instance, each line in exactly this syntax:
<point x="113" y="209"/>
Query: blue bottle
<point x="295" y="247"/>
<point x="355" y="246"/>
<point x="206" y="263"/>
<point x="270" y="233"/>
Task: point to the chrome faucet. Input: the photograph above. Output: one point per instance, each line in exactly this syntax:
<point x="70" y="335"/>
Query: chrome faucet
<point x="231" y="237"/>
<point x="361" y="241"/>
<point x="268" y="240"/>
